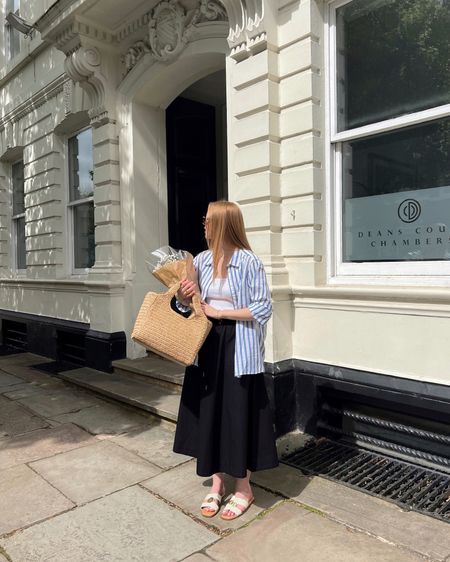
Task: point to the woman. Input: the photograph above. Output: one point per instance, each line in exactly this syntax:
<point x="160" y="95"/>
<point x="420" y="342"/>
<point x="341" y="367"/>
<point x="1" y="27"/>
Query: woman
<point x="225" y="419"/>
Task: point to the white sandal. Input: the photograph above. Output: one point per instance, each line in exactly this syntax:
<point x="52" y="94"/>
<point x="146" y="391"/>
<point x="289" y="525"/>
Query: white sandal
<point x="211" y="505"/>
<point x="234" y="504"/>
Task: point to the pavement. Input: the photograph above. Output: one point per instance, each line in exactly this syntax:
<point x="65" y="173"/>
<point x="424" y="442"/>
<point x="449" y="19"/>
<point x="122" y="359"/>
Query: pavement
<point x="83" y="479"/>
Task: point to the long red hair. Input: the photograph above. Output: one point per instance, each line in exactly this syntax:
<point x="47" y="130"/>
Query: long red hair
<point x="225" y="226"/>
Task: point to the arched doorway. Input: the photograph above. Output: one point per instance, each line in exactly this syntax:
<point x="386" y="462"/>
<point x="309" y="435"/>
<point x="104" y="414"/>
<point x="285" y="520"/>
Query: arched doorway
<point x="196" y="158"/>
<point x="146" y="93"/>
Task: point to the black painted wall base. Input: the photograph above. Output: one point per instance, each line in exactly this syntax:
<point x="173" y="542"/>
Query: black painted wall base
<point x="406" y="416"/>
<point x="62" y="340"/>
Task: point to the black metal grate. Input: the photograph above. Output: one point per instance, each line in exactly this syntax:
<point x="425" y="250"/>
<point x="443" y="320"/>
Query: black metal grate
<point x="14" y="334"/>
<point x="410" y="486"/>
<point x="71" y="347"/>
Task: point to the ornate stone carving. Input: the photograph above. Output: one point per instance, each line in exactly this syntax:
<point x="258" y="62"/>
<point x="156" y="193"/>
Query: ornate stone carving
<point x="68" y="94"/>
<point x="84" y="66"/>
<point x="212" y="11"/>
<point x="253" y="25"/>
<point x="171" y="26"/>
<point x="168" y="32"/>
<point x="135" y="53"/>
<point x="46" y="93"/>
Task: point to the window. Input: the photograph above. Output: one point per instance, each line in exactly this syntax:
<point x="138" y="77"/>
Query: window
<point x="13" y="36"/>
<point x="390" y="134"/>
<point x="18" y="216"/>
<point x="81" y="203"/>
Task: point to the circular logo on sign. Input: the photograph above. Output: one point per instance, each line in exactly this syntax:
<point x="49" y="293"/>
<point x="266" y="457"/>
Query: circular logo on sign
<point x="409" y="210"/>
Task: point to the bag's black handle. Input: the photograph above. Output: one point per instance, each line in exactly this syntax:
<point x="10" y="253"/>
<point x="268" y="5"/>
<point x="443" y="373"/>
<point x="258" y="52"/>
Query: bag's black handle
<point x="196" y="305"/>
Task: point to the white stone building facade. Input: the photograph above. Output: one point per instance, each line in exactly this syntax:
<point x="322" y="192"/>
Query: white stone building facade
<point x="288" y="135"/>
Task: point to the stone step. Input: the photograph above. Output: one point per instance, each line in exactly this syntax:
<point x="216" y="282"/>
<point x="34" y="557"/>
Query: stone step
<point x="159" y="401"/>
<point x="152" y="369"/>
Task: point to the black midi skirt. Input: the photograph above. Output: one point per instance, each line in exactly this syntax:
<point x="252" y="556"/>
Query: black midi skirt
<point x="224" y="421"/>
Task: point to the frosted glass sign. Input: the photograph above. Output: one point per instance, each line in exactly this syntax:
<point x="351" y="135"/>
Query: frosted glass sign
<point x="409" y="225"/>
<point x="396" y="194"/>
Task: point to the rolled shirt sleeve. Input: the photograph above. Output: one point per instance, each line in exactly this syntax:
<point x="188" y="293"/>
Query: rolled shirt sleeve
<point x="260" y="300"/>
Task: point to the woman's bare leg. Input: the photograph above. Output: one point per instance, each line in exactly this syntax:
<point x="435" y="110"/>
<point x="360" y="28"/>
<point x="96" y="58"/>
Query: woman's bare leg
<point x="242" y="489"/>
<point x="218" y="483"/>
<point x="218" y="486"/>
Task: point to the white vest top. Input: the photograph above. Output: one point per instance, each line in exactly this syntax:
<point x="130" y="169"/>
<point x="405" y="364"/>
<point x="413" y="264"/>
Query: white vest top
<point x="219" y="294"/>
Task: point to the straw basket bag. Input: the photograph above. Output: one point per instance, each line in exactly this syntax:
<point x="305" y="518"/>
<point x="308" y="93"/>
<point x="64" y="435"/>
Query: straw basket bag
<point x="169" y="334"/>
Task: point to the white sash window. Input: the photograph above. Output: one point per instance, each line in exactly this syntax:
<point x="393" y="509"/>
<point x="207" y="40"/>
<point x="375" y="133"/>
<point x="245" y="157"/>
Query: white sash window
<point x="18" y="215"/>
<point x="81" y="201"/>
<point x="389" y="133"/>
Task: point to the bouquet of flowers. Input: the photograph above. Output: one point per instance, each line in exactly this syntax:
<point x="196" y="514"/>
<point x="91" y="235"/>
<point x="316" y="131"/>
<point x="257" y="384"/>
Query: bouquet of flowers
<point x="171" y="266"/>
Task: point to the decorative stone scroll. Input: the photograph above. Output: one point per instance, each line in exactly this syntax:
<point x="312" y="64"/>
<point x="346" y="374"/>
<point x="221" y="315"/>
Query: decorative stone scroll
<point x="84" y="66"/>
<point x="171" y="26"/>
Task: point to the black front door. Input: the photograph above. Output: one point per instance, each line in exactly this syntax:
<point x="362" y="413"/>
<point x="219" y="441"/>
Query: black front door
<point x="191" y="171"/>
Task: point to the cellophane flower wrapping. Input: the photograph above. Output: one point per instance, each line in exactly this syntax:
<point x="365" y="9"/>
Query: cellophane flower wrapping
<point x="170" y="266"/>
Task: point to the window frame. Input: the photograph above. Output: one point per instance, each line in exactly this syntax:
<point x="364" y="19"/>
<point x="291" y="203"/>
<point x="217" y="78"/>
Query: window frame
<point x="14" y="221"/>
<point x="347" y="273"/>
<point x="70" y="206"/>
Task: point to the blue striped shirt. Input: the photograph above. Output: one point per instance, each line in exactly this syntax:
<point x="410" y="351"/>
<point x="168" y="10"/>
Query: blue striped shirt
<point x="249" y="289"/>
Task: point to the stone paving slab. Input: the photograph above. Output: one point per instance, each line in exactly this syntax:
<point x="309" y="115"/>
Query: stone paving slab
<point x="42" y="443"/>
<point x="52" y="402"/>
<point x="15" y="419"/>
<point x="199" y="557"/>
<point x="154" y="444"/>
<point x="8" y="380"/>
<point x="23" y="359"/>
<point x="26" y="373"/>
<point x="20" y="365"/>
<point x="150" y="364"/>
<point x="184" y="488"/>
<point x="95" y="470"/>
<point x="29" y="388"/>
<point x="26" y="498"/>
<point x="291" y="533"/>
<point x="152" y="367"/>
<point x="4" y="402"/>
<point x="128" y="526"/>
<point x="105" y="419"/>
<point x="146" y="395"/>
<point x="20" y="386"/>
<point x="414" y="531"/>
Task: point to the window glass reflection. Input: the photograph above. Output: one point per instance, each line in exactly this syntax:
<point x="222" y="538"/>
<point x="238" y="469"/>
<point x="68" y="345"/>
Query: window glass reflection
<point x="392" y="59"/>
<point x="81" y="165"/>
<point x="84" y="239"/>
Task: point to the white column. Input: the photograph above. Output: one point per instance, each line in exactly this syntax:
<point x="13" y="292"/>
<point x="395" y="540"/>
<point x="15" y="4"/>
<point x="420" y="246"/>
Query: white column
<point x="108" y="251"/>
<point x="144" y="207"/>
<point x="44" y="210"/>
<point x="301" y="132"/>
<point x="254" y="147"/>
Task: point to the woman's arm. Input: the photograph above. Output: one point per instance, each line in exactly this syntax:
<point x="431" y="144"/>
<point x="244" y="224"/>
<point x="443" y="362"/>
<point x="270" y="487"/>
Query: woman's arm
<point x="186" y="291"/>
<point x="260" y="302"/>
<point x="243" y="314"/>
<point x="189" y="287"/>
